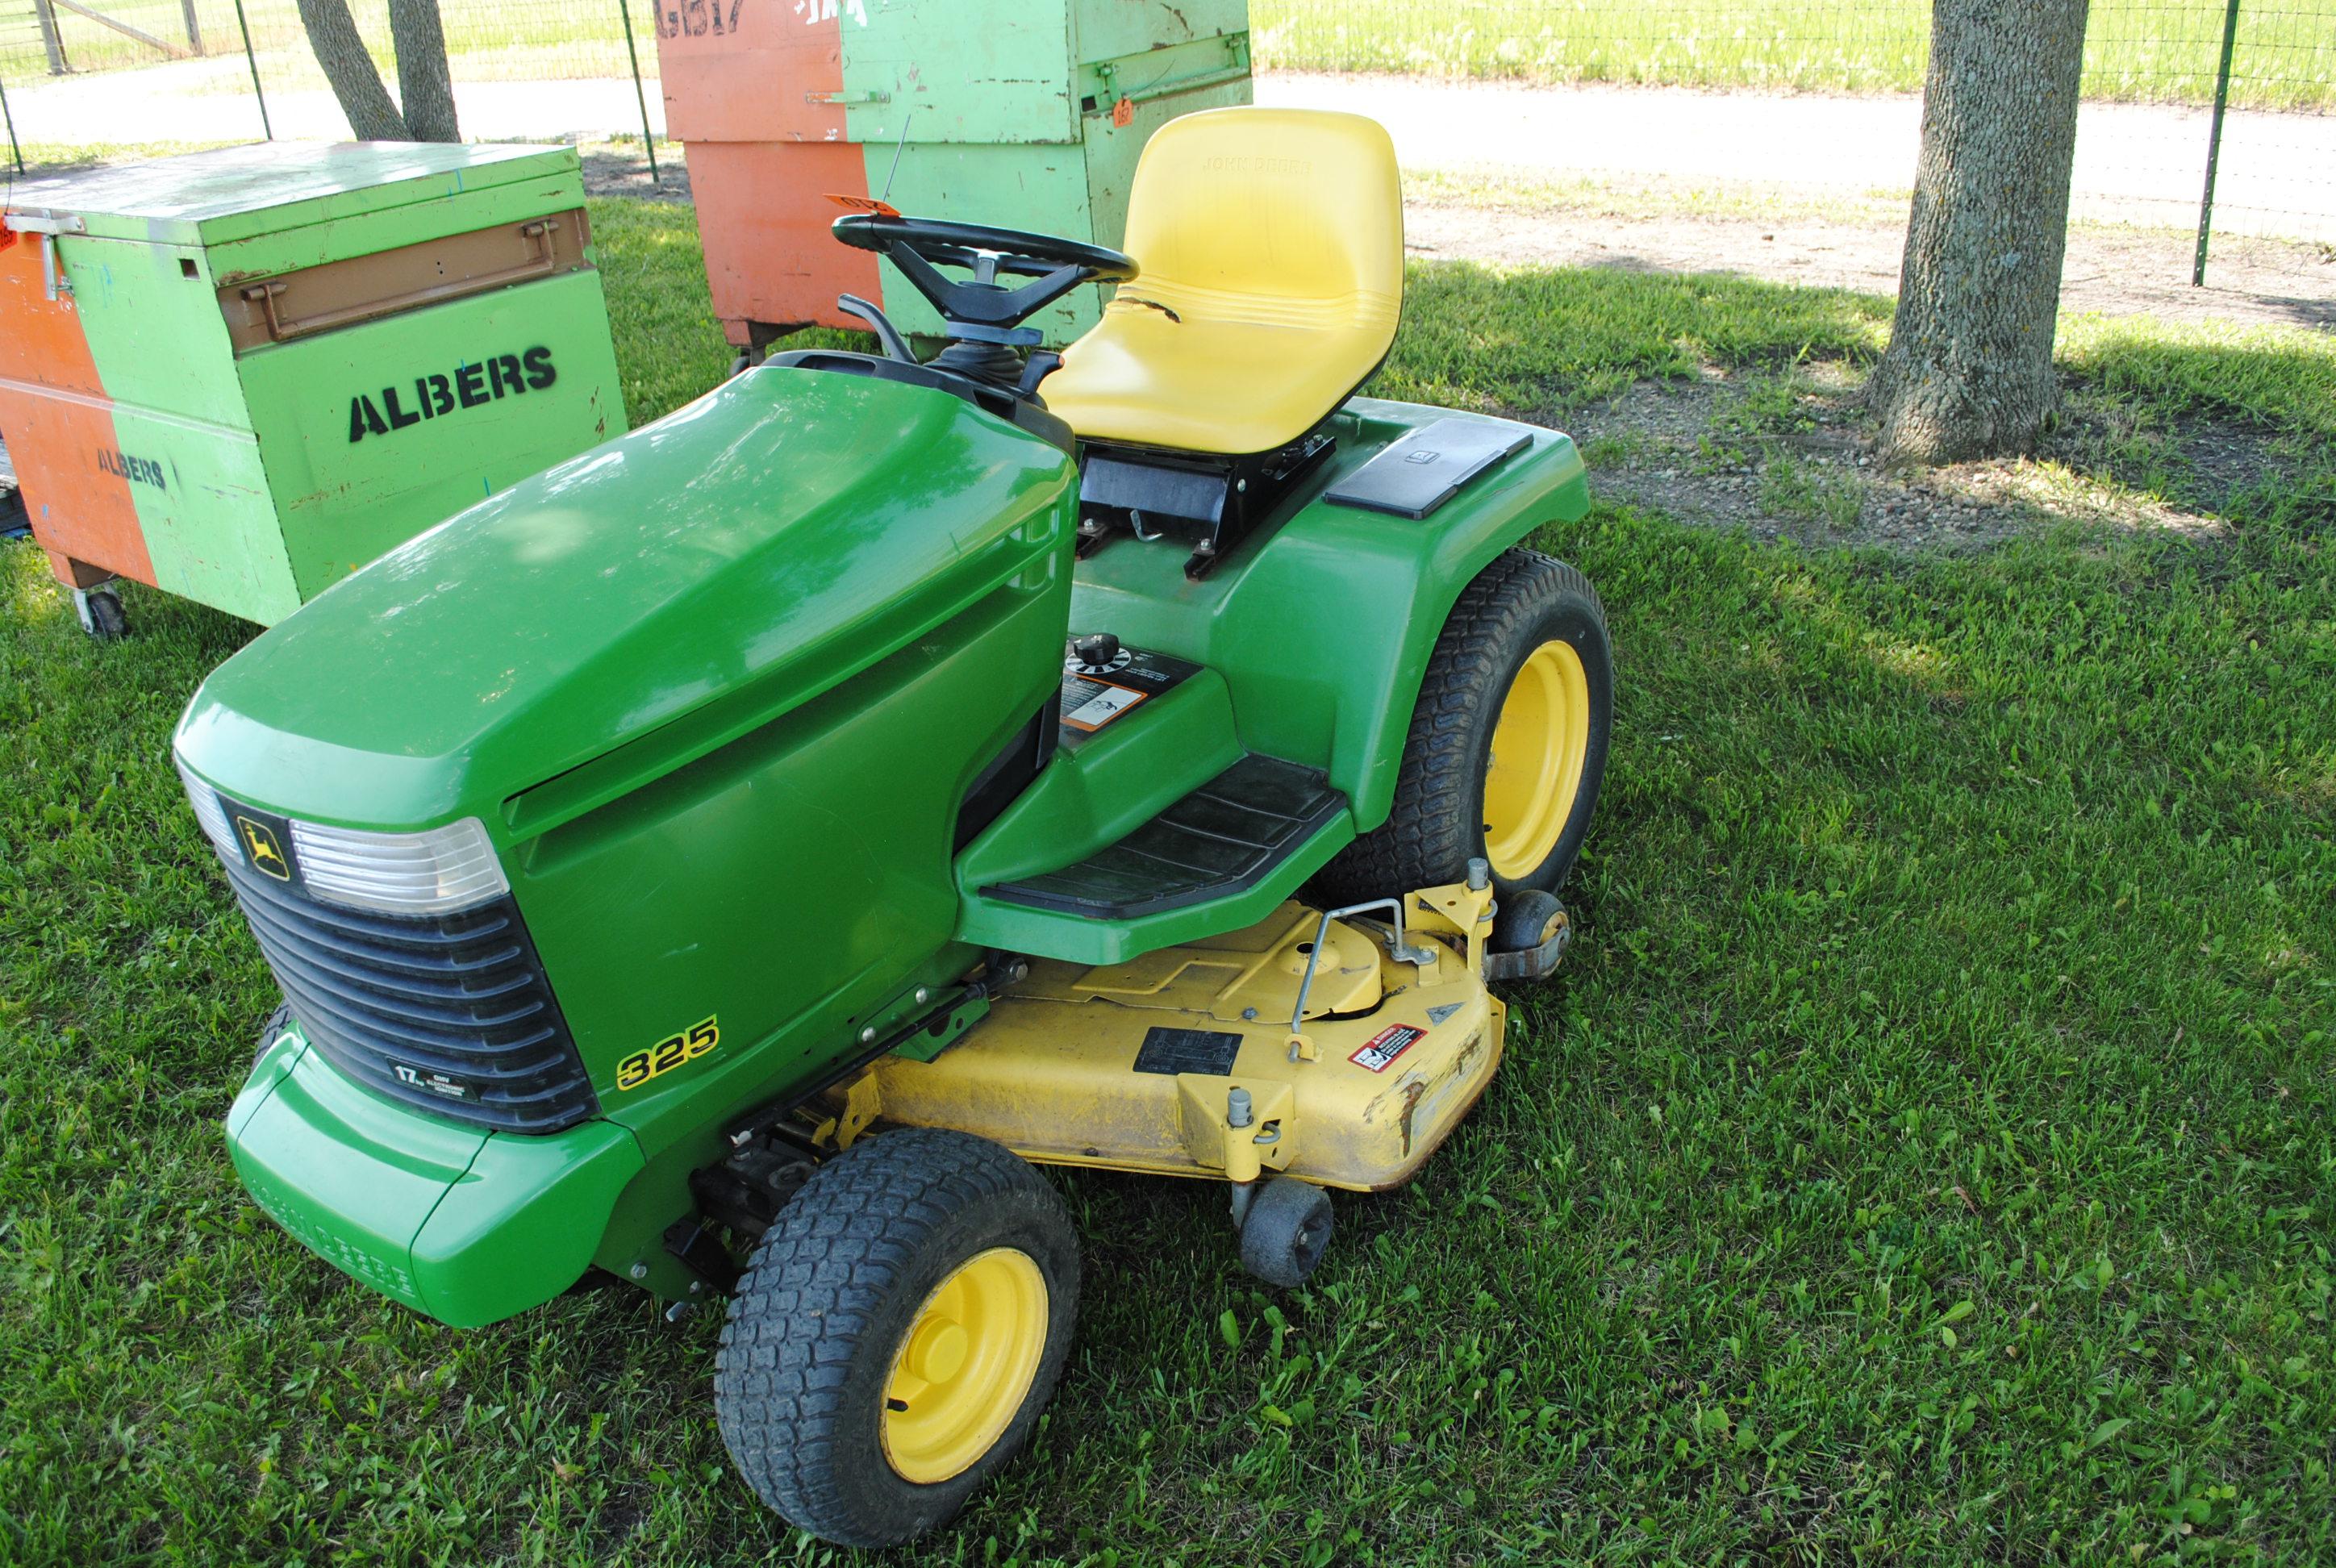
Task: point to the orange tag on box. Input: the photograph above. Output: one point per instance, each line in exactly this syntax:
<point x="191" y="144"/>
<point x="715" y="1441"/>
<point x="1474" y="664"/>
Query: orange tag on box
<point x="1123" y="113"/>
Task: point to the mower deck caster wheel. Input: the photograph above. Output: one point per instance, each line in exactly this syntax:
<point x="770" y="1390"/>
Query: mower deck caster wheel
<point x="101" y="613"/>
<point x="1529" y="934"/>
<point x="897" y="1334"/>
<point x="1285" y="1231"/>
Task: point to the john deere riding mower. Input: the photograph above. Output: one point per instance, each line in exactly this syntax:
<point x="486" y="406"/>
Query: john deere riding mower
<point x="722" y="862"/>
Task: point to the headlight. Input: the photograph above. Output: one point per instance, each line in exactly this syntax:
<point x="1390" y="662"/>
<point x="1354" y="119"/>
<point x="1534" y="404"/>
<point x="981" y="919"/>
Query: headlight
<point x="426" y="874"/>
<point x="433" y="872"/>
<point x="208" y="812"/>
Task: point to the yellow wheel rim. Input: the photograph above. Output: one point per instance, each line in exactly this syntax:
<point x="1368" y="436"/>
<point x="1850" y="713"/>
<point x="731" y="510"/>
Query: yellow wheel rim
<point x="965" y="1367"/>
<point x="1540" y="746"/>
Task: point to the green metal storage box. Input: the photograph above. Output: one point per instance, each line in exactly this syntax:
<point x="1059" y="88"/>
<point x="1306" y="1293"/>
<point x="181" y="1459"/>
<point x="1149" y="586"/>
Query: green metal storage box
<point x="1020" y="113"/>
<point x="239" y="375"/>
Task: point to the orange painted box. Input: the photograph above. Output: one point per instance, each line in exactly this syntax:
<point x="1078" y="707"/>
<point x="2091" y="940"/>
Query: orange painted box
<point x="1019" y="114"/>
<point x="239" y="375"/>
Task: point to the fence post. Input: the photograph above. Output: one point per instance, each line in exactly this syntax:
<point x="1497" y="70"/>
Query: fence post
<point x="640" y="93"/>
<point x="252" y="60"/>
<point x="48" y="16"/>
<point x="13" y="150"/>
<point x="2215" y="143"/>
<point x="194" y="25"/>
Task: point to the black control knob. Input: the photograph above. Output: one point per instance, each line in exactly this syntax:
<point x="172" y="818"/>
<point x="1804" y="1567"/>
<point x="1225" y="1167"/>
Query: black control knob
<point x="1097" y="649"/>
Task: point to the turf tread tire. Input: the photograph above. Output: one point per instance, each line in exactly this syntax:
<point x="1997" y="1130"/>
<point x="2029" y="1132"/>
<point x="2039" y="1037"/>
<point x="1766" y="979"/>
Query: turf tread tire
<point x="834" y="1284"/>
<point x="271" y="1030"/>
<point x="1432" y="830"/>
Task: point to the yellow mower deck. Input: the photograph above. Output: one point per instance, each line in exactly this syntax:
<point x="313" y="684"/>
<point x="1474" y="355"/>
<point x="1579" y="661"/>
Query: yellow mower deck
<point x="1131" y="1066"/>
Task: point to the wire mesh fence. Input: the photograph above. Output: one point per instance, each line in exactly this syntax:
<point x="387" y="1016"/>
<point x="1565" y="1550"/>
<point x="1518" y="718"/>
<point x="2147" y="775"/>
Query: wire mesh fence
<point x="518" y="41"/>
<point x="85" y="72"/>
<point x="2146" y="51"/>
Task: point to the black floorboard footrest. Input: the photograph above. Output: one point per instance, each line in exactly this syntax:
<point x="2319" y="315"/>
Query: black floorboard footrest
<point x="1223" y="838"/>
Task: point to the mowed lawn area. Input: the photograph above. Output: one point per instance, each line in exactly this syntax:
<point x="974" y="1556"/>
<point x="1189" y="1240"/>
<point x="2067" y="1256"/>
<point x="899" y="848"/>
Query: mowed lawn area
<point x="1925" y="1154"/>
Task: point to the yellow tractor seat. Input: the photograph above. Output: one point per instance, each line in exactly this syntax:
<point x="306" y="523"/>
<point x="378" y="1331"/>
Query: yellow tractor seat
<point x="1271" y="246"/>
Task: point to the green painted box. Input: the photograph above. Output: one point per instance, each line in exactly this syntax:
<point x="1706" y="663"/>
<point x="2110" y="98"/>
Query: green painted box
<point x="239" y="375"/>
<point x="1020" y="113"/>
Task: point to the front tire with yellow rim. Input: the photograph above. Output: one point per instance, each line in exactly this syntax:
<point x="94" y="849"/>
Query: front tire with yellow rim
<point x="1507" y="742"/>
<point x="897" y="1335"/>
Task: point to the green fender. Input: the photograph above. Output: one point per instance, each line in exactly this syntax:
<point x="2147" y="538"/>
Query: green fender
<point x="1322" y="633"/>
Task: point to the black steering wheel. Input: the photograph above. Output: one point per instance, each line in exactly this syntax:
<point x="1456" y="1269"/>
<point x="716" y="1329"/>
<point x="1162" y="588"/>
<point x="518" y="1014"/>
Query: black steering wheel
<point x="920" y="246"/>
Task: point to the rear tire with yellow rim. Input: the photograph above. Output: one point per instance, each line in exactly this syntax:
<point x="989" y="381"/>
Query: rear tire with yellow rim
<point x="897" y="1334"/>
<point x="1507" y="744"/>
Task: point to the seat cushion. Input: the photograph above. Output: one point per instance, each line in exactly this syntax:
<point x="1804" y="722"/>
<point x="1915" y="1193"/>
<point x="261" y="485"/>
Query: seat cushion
<point x="1272" y="245"/>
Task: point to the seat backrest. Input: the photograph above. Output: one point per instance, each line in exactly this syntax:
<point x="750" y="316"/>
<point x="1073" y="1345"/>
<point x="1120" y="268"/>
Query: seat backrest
<point x="1289" y="217"/>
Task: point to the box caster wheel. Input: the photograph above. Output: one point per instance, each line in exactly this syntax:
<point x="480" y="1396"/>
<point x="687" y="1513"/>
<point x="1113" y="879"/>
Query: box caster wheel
<point x="100" y="610"/>
<point x="1285" y="1231"/>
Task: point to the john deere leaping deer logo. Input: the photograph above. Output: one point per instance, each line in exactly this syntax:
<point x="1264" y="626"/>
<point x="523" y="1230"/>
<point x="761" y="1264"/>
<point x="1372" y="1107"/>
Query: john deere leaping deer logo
<point x="267" y="854"/>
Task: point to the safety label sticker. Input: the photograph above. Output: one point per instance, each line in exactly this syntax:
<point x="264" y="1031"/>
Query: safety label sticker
<point x="1378" y="1053"/>
<point x="1089" y="704"/>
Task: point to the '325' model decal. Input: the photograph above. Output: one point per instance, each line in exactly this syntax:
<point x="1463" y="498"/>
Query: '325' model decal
<point x="668" y="1054"/>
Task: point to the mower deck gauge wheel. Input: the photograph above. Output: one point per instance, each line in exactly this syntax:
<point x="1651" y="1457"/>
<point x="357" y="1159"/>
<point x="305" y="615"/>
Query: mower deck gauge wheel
<point x="1286" y="1232"/>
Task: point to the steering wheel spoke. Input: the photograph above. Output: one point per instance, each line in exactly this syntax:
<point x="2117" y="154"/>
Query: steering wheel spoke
<point x="921" y="246"/>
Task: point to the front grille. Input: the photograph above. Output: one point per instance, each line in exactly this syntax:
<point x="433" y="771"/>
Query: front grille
<point x="450" y="1014"/>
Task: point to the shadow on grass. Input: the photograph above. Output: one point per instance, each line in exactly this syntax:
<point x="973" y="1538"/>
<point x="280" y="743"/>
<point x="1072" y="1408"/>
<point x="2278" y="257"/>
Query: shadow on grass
<point x="1544" y="341"/>
<point x="2163" y="420"/>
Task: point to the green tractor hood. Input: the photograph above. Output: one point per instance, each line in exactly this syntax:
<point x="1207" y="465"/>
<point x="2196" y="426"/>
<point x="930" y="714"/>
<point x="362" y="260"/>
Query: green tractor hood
<point x="725" y="564"/>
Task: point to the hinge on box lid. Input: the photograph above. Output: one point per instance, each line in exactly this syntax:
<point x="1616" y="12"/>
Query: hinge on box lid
<point x="48" y="225"/>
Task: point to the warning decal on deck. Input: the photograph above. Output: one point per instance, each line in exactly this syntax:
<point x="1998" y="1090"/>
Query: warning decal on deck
<point x="1380" y="1052"/>
<point x="1088" y="704"/>
<point x="1174" y="1051"/>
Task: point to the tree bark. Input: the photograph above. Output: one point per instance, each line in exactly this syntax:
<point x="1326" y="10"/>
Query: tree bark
<point x="424" y="84"/>
<point x="341" y="52"/>
<point x="1969" y="369"/>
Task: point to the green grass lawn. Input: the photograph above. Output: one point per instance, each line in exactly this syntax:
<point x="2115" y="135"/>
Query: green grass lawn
<point x="2154" y="50"/>
<point x="1925" y="1154"/>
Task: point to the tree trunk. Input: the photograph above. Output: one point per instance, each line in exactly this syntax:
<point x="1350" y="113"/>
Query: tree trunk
<point x="1969" y="369"/>
<point x="424" y="85"/>
<point x="333" y="34"/>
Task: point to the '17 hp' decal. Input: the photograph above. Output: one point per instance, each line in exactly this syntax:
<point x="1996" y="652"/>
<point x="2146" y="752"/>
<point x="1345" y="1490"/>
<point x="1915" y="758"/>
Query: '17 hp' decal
<point x="472" y="385"/>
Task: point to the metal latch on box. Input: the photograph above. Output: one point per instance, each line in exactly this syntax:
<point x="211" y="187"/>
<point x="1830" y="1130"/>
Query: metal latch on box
<point x="542" y="261"/>
<point x="54" y="280"/>
<point x="1170" y="69"/>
